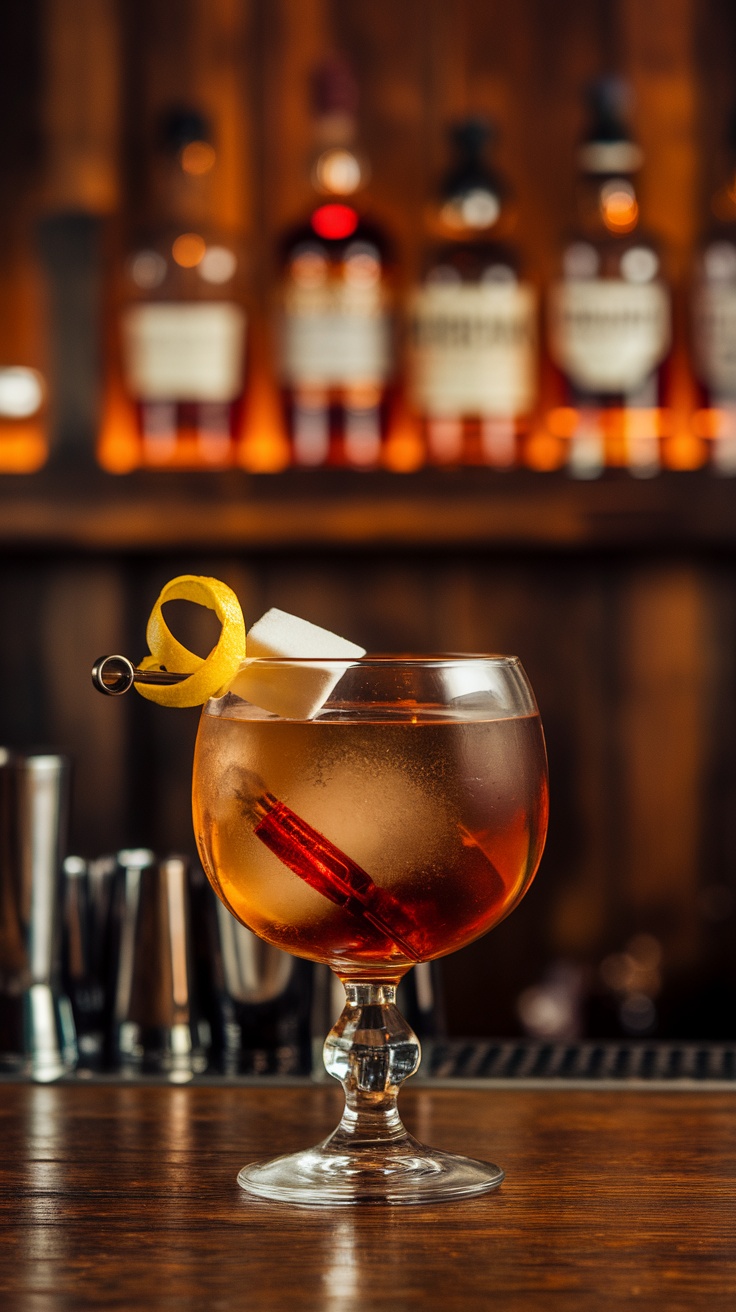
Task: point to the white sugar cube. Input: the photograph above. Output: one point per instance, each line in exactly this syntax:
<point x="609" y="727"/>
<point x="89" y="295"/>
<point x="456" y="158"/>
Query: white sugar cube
<point x="297" y="692"/>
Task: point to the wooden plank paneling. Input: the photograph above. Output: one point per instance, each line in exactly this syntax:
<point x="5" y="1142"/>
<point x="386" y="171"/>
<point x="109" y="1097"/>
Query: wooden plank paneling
<point x="84" y="611"/>
<point x="664" y="643"/>
<point x="81" y="104"/>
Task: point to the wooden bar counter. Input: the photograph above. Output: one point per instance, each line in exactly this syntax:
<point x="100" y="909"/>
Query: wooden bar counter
<point x="115" y="1196"/>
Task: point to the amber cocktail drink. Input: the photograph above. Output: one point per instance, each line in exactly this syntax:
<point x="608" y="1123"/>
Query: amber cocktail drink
<point x="402" y="821"/>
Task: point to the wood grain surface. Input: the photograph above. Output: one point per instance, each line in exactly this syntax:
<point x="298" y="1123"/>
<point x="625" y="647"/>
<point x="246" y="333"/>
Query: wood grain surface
<point x="125" y="1197"/>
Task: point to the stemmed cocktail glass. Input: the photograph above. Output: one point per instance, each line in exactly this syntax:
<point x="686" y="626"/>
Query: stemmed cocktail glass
<point x="402" y="821"/>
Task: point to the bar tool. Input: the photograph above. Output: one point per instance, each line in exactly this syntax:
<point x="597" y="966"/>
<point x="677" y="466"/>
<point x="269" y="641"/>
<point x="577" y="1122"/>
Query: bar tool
<point x="259" y="998"/>
<point x="37" y="1036"/>
<point x="115" y="675"/>
<point x="156" y="1022"/>
<point x="88" y="954"/>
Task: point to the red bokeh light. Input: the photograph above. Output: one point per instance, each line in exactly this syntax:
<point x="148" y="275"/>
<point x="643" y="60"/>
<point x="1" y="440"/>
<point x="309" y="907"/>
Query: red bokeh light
<point x="334" y="221"/>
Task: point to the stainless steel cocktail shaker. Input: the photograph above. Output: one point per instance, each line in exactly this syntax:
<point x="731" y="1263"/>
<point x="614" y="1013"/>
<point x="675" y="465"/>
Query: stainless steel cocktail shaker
<point x="37" y="1035"/>
<point x="157" y="1027"/>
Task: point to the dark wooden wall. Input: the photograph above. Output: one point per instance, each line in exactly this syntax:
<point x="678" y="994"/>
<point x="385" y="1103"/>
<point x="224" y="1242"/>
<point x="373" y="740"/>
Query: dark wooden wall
<point x="631" y="645"/>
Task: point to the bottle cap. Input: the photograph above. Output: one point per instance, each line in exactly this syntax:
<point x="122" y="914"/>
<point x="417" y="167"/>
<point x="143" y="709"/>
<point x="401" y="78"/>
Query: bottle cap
<point x="473" y="195"/>
<point x="608" y="147"/>
<point x="470" y="136"/>
<point x="180" y="125"/>
<point x="334" y="90"/>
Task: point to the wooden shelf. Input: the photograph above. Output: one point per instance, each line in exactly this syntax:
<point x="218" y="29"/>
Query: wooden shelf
<point x="89" y="511"/>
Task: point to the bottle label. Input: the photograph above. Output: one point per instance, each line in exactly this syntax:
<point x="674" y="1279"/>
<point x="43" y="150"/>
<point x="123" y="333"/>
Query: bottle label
<point x="184" y="352"/>
<point x="334" y="337"/>
<point x="473" y="350"/>
<point x="608" y="335"/>
<point x="714" y="338"/>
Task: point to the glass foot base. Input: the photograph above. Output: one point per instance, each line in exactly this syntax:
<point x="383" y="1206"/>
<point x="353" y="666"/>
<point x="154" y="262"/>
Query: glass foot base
<point x="404" y="1173"/>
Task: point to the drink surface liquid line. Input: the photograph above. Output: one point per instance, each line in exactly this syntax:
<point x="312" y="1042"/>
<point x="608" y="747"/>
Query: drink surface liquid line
<point x="443" y="817"/>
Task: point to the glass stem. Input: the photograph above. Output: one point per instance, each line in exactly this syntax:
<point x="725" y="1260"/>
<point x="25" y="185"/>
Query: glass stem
<point x="371" y="1050"/>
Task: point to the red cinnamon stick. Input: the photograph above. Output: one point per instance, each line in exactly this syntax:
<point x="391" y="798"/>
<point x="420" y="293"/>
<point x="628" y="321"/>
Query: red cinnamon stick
<point x="330" y="871"/>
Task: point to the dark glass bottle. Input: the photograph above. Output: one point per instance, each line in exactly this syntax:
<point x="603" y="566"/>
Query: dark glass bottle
<point x="713" y="323"/>
<point x="335" y="338"/>
<point x="472" y="365"/>
<point x="609" y="311"/>
<point x="177" y="375"/>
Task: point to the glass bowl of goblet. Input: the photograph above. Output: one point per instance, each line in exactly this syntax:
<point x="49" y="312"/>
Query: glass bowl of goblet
<point x="399" y="823"/>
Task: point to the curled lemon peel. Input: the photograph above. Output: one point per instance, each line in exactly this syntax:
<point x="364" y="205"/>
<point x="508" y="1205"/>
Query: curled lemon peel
<point x="208" y="675"/>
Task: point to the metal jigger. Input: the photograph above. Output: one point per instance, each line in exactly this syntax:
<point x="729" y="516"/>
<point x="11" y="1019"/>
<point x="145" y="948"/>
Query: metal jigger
<point x="88" y="952"/>
<point x="263" y="1000"/>
<point x="37" y="1035"/>
<point x="156" y="1028"/>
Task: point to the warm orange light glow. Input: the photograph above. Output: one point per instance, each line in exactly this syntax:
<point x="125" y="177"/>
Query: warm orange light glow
<point x="263" y="447"/>
<point x="197" y="157"/>
<point x="264" y="451"/>
<point x="188" y="250"/>
<point x="404" y="450"/>
<point x="191" y="449"/>
<point x="624" y="433"/>
<point x="643" y="421"/>
<point x="619" y="209"/>
<point x="545" y="452"/>
<point x="562" y="421"/>
<point x="685" y="450"/>
<point x="118" y="449"/>
<point x="708" y="424"/>
<point x="121" y="449"/>
<point x="23" y="448"/>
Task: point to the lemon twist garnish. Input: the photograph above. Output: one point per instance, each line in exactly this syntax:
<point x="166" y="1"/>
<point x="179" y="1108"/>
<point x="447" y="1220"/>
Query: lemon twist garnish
<point x="209" y="675"/>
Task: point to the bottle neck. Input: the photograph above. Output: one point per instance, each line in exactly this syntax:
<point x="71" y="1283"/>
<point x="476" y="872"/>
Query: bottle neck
<point x="608" y="204"/>
<point x="339" y="169"/>
<point x="473" y="206"/>
<point x="181" y="198"/>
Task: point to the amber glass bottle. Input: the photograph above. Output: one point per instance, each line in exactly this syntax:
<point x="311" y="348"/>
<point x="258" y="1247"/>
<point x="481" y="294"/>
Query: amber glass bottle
<point x="178" y="350"/>
<point x="713" y="337"/>
<point x="472" y="360"/>
<point x="609" y="311"/>
<point x="335" y="344"/>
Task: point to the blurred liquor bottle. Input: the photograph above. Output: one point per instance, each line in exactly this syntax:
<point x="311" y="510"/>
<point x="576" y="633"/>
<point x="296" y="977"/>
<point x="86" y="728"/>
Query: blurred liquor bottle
<point x="176" y="384"/>
<point x="24" y="437"/>
<point x="335" y="344"/>
<point x="713" y="323"/>
<point x="472" y="358"/>
<point x="610" y="319"/>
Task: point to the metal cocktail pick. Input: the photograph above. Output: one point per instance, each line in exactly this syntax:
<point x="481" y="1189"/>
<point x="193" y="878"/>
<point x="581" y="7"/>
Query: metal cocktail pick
<point x="115" y="675"/>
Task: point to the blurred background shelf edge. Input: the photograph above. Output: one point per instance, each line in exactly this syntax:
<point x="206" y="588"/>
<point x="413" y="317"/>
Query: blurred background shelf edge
<point x="431" y="510"/>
